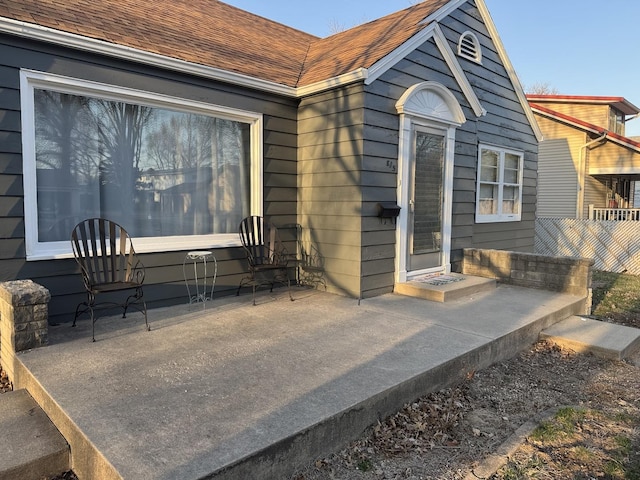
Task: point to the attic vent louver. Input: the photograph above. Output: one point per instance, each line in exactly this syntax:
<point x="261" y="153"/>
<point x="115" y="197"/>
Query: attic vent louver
<point x="469" y="47"/>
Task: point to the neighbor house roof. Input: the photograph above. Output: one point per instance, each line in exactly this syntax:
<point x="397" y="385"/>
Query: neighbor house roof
<point x="214" y="34"/>
<point x="619" y="103"/>
<point x="584" y="126"/>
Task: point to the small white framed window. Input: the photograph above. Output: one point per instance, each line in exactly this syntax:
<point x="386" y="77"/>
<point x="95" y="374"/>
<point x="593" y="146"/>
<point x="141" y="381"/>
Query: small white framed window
<point x="177" y="174"/>
<point x="499" y="186"/>
<point x="469" y="47"/>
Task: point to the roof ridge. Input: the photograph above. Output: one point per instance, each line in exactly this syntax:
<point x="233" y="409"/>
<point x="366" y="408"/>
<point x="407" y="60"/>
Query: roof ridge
<point x="302" y="64"/>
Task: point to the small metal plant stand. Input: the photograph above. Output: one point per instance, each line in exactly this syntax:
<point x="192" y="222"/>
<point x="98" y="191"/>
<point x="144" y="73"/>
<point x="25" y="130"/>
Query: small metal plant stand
<point x="201" y="277"/>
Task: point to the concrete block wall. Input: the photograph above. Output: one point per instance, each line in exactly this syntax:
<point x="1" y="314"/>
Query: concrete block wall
<point x="570" y="275"/>
<point x="24" y="312"/>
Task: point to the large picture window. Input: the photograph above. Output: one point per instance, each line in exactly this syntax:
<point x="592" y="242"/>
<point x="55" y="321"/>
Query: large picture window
<point x="499" y="189"/>
<point x="175" y="174"/>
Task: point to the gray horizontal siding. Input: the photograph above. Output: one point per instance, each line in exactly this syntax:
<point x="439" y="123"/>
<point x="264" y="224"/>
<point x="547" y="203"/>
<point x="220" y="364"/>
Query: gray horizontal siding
<point x="505" y="124"/>
<point x="164" y="276"/>
<point x="331" y="153"/>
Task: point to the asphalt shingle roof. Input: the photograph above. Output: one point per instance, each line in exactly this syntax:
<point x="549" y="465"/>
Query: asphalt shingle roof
<point x="214" y="34"/>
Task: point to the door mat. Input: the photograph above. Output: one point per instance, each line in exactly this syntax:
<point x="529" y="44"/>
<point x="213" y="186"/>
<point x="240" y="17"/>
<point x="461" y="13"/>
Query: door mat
<point x="437" y="279"/>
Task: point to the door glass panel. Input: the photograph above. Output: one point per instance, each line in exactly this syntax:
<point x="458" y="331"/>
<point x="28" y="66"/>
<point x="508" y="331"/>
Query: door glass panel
<point x="428" y="181"/>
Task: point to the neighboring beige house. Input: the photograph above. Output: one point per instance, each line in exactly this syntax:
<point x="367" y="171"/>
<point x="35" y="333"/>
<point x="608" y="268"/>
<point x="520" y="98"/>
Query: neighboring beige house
<point x="585" y="159"/>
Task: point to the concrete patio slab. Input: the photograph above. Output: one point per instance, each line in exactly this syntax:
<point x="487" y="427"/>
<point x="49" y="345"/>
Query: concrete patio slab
<point x="237" y="391"/>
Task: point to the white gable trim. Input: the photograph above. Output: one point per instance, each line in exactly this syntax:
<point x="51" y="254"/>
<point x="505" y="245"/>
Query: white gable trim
<point x="431" y="31"/>
<point x="344" y="79"/>
<point x="458" y="72"/>
<point x="388" y="61"/>
<point x="502" y="53"/>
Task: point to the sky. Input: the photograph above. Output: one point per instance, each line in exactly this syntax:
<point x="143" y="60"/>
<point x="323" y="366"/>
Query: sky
<point x="575" y="47"/>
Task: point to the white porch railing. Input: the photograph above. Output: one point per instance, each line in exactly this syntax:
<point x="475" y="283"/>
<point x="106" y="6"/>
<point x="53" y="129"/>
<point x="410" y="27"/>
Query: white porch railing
<point x="615" y="214"/>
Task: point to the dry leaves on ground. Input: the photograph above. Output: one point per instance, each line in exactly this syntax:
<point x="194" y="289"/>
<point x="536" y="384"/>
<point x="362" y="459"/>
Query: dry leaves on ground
<point x="446" y="435"/>
<point x="5" y="384"/>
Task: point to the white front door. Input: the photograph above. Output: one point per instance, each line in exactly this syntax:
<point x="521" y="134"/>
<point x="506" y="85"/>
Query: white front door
<point x="429" y="116"/>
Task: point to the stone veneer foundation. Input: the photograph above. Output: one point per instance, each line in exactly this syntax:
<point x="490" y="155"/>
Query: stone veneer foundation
<point x="24" y="312"/>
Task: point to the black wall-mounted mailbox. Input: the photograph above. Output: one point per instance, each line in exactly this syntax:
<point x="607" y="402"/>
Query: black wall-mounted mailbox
<point x="388" y="210"/>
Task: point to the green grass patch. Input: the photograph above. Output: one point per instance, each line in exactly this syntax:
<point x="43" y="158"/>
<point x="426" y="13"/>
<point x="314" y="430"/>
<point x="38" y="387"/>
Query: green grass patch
<point x="613" y="469"/>
<point x="624" y="444"/>
<point x="365" y="465"/>
<point x="583" y="454"/>
<point x="563" y="423"/>
<point x="615" y="293"/>
<point x="527" y="471"/>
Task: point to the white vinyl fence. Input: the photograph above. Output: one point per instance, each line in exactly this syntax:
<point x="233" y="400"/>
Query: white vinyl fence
<point x="613" y="245"/>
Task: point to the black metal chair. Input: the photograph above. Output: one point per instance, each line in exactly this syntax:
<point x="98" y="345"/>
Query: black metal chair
<point x="308" y="260"/>
<point x="266" y="255"/>
<point x="108" y="263"/>
<point x="311" y="266"/>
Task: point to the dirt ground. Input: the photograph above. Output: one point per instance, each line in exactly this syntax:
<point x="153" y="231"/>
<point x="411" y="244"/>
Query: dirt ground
<point x="548" y="413"/>
<point x="587" y="413"/>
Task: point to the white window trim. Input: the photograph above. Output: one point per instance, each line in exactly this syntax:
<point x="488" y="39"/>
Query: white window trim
<point x="29" y="80"/>
<point x="500" y="217"/>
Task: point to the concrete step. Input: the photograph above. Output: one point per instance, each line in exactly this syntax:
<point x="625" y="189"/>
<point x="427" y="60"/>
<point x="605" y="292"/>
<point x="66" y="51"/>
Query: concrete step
<point x="584" y="334"/>
<point x="462" y="286"/>
<point x="32" y="447"/>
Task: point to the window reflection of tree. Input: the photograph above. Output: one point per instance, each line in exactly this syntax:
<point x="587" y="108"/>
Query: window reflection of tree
<point x="158" y="171"/>
<point x="120" y="128"/>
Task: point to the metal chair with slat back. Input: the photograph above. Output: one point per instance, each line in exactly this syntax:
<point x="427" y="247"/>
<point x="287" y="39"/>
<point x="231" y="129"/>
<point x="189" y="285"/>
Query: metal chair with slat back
<point x="108" y="263"/>
<point x="311" y="266"/>
<point x="266" y="256"/>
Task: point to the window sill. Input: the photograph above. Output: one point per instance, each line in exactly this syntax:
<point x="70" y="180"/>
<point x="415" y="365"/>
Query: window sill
<point x="61" y="250"/>
<point x="497" y="218"/>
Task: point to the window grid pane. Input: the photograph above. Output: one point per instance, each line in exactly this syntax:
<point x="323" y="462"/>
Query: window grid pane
<point x="499" y="184"/>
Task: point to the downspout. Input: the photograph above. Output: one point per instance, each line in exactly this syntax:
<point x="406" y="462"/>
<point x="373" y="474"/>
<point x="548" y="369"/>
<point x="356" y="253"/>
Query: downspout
<point x="581" y="172"/>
